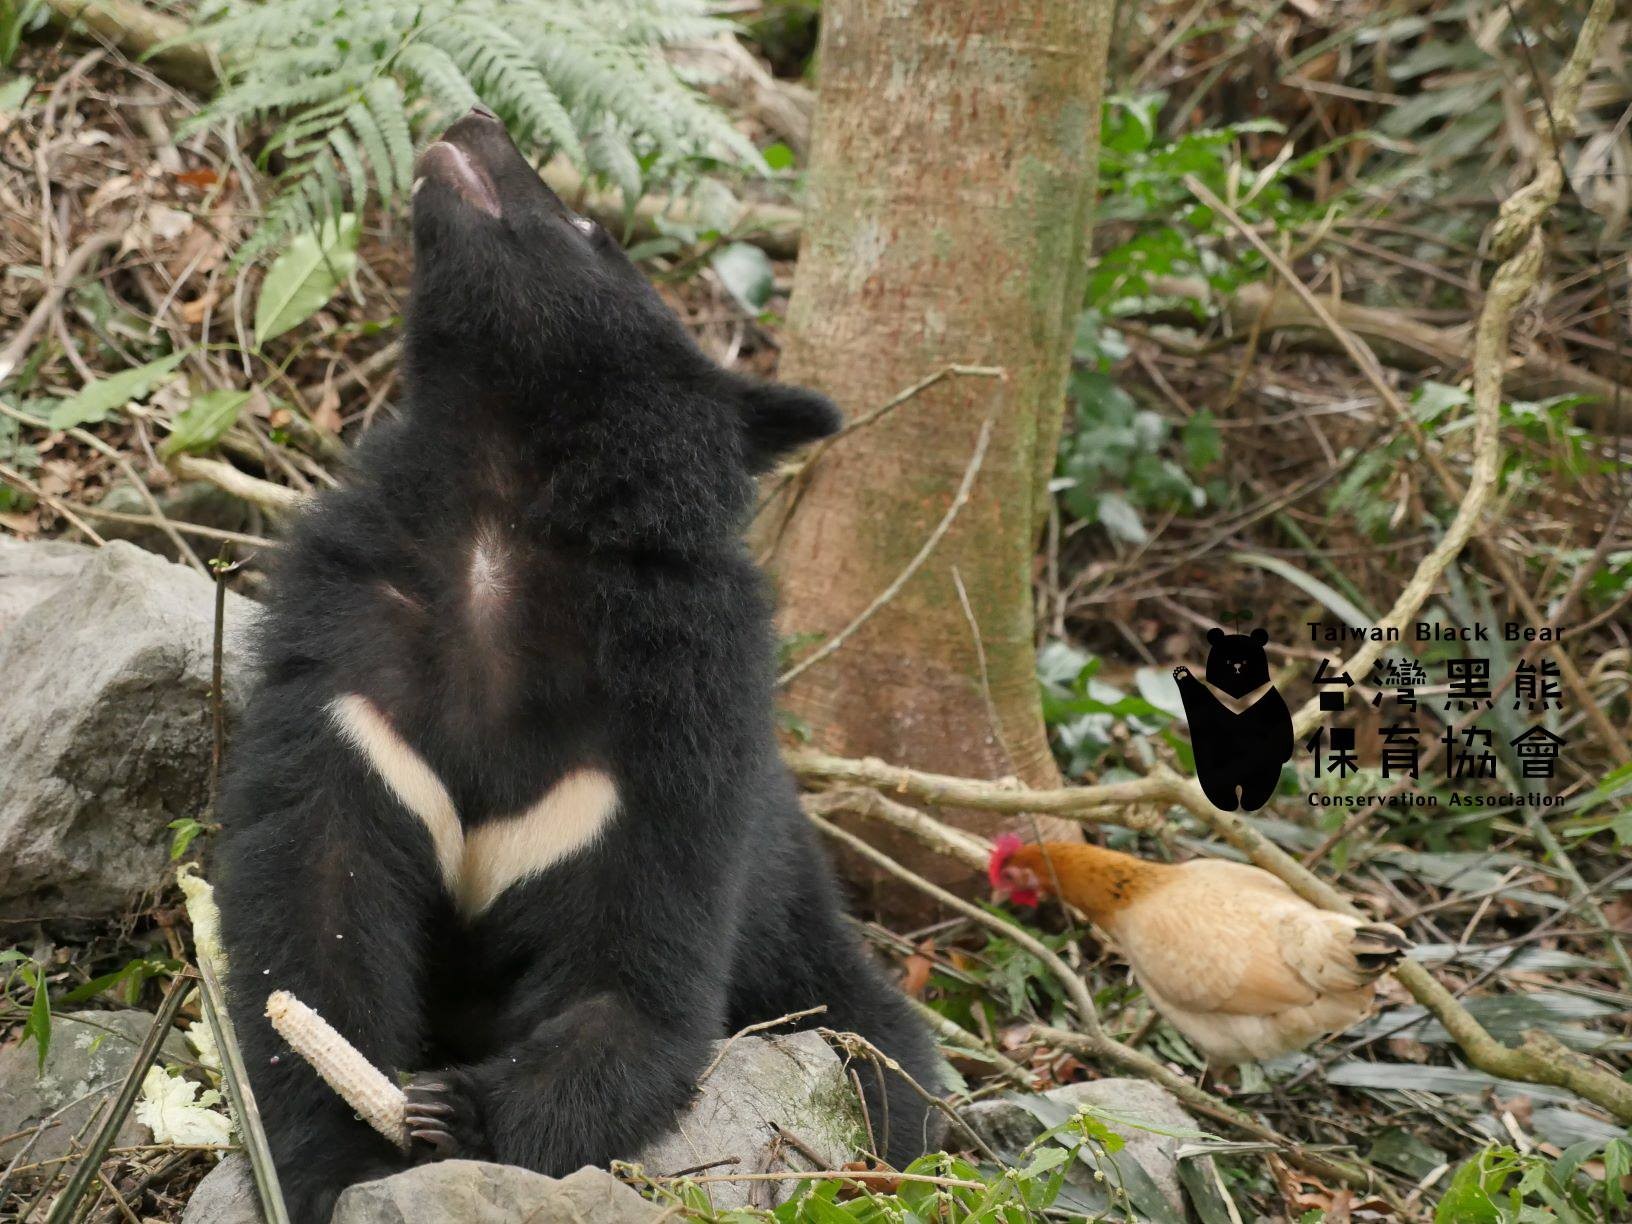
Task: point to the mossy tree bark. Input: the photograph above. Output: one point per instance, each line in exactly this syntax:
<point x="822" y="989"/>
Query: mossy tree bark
<point x="951" y="182"/>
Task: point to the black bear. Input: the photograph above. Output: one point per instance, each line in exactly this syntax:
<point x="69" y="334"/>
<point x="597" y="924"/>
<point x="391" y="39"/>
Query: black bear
<point x="1244" y="749"/>
<point x="506" y="806"/>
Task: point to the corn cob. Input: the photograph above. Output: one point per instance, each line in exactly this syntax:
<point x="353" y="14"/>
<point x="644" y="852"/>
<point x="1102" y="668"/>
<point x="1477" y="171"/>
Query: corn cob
<point x="360" y="1084"/>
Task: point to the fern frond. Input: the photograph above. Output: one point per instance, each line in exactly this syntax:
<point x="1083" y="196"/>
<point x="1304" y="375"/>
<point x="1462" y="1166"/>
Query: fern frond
<point x="350" y="87"/>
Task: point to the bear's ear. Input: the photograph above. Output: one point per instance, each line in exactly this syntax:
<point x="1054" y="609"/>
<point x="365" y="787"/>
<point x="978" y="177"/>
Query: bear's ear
<point x="1215" y="635"/>
<point x="777" y="419"/>
<point x="1260" y="635"/>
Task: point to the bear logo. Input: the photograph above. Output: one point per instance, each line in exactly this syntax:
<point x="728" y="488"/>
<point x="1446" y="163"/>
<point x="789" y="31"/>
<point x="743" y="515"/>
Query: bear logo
<point x="1236" y="749"/>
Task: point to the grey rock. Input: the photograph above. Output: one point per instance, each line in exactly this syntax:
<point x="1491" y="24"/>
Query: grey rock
<point x="90" y="1056"/>
<point x="225" y="1196"/>
<point x="472" y="1192"/>
<point x="796" y="1082"/>
<point x="105" y="731"/>
<point x="1008" y="1126"/>
<point x="31" y="571"/>
<point x="189" y="501"/>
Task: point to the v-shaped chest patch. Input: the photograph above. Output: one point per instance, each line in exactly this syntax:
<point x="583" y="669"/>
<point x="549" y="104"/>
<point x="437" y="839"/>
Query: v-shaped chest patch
<point x="477" y="867"/>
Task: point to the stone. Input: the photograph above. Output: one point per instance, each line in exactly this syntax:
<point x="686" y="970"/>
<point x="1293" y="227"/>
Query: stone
<point x="473" y="1192"/>
<point x="31" y="571"/>
<point x="796" y="1082"/>
<point x="226" y="1195"/>
<point x="189" y="501"/>
<point x="1007" y="1125"/>
<point x="105" y="730"/>
<point x="89" y="1057"/>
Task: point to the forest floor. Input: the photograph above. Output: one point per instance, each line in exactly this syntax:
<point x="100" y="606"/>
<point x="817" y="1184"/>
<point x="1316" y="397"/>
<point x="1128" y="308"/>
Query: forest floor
<point x="1222" y="452"/>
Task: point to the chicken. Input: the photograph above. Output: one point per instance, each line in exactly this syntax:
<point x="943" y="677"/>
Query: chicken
<point x="1232" y="957"/>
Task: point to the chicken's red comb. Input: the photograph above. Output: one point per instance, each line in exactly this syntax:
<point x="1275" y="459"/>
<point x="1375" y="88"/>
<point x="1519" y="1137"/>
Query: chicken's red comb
<point x="1003" y="849"/>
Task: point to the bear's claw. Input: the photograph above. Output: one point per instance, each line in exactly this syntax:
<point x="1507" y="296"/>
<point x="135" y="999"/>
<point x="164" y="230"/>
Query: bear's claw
<point x="441" y="1120"/>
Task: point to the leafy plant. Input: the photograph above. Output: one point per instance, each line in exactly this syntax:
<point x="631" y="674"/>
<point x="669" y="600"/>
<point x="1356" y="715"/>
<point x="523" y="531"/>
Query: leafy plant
<point x="1115" y="462"/>
<point x="32" y="974"/>
<point x="1500" y="1185"/>
<point x="351" y="83"/>
<point x="1141" y="181"/>
<point x="1083" y="712"/>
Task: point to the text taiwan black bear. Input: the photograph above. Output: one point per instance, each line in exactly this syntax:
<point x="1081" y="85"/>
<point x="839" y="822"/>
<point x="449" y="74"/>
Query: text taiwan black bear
<point x="1236" y="751"/>
<point x="506" y="807"/>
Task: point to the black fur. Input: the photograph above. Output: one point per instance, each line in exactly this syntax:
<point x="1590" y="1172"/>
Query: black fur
<point x="553" y="399"/>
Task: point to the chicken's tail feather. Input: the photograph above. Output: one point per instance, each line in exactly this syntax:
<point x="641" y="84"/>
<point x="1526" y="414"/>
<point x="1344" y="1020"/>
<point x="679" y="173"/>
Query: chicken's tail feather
<point x="1378" y="947"/>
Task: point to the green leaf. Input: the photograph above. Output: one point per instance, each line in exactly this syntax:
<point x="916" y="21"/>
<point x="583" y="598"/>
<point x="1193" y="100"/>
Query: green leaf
<point x="38" y="1024"/>
<point x="96" y="399"/>
<point x="14" y="92"/>
<point x="745" y="271"/>
<point x="1203" y="445"/>
<point x="186" y="829"/>
<point x="305" y="276"/>
<point x="1121" y="519"/>
<point x="201" y="424"/>
<point x="779" y="157"/>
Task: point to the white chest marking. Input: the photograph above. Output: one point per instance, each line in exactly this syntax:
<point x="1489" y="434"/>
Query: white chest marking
<point x="477" y="868"/>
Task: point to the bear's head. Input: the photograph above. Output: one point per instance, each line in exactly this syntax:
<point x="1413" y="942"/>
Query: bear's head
<point x="1236" y="662"/>
<point x="522" y="307"/>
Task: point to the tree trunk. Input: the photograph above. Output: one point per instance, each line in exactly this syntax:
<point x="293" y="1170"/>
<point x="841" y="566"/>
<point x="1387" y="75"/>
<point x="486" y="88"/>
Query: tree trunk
<point x="951" y="182"/>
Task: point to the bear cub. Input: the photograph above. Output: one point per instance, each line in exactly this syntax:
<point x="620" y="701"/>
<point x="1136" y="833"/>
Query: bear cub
<point x="1236" y="751"/>
<point x="506" y="806"/>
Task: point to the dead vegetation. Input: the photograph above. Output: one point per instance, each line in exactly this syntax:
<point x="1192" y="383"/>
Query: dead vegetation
<point x="1309" y="395"/>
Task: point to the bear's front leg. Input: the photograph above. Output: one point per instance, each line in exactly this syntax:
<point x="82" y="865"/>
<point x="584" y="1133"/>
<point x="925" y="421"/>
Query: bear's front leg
<point x="591" y="1084"/>
<point x="327" y="888"/>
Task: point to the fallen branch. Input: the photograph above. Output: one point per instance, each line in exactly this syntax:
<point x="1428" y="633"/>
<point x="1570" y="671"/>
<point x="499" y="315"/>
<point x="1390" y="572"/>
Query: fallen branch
<point x="280" y="499"/>
<point x="1401" y="340"/>
<point x="1139" y="804"/>
<point x="1540" y="1060"/>
<point x="136" y="29"/>
<point x="1093" y="1041"/>
<point x="23" y="339"/>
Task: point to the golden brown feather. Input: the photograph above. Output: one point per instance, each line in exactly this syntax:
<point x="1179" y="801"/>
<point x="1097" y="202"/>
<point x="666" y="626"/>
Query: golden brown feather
<point x="1232" y="957"/>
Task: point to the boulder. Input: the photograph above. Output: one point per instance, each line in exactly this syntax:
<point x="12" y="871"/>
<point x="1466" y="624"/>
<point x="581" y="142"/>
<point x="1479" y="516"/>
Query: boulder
<point x="105" y="731"/>
<point x="1127" y="1106"/>
<point x="472" y="1192"/>
<point x="795" y="1082"/>
<point x="31" y="571"/>
<point x="89" y="1057"/>
<point x="226" y="1195"/>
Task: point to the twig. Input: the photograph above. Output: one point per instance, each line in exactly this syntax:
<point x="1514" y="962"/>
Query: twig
<point x="1539" y="1060"/>
<point x="855" y="1041"/>
<point x="1093" y="1041"/>
<point x="1075" y="989"/>
<point x="959" y="500"/>
<point x="280" y="499"/>
<point x="1127" y="804"/>
<point x="954" y="1034"/>
<point x="761" y="1027"/>
<point x="68" y="1201"/>
<point x="12" y="476"/>
<point x="887" y="1176"/>
<point x="183" y="549"/>
<point x="196" y="529"/>
<point x="17" y="347"/>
